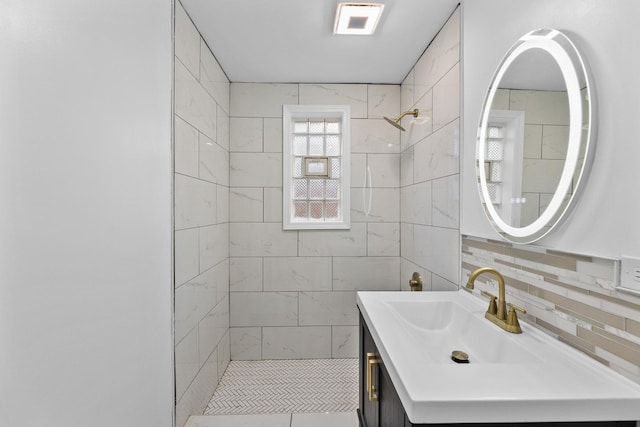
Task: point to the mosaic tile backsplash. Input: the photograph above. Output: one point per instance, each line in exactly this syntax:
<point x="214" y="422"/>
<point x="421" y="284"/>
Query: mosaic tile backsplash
<point x="572" y="297"/>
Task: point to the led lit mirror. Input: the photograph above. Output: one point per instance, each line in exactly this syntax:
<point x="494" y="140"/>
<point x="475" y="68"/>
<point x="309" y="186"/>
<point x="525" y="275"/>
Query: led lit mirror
<point x="536" y="136"/>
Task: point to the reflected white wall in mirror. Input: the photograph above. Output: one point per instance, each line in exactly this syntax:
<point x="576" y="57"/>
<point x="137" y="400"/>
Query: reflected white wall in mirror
<point x="536" y="136"/>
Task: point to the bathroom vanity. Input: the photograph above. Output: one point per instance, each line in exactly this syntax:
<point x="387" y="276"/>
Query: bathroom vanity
<point x="408" y="377"/>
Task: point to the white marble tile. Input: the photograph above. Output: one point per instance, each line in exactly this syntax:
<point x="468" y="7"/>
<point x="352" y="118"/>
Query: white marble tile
<point x="262" y="239"/>
<point x="187" y="255"/>
<point x="195" y="202"/>
<point x="383" y="239"/>
<point x="305" y="342"/>
<point x="445" y="204"/>
<point x="555" y="142"/>
<point x="273" y="205"/>
<point x="246" y="204"/>
<point x="358" y="170"/>
<point x="195" y="399"/>
<point x="335" y="419"/>
<point x="256" y="169"/>
<point x="222" y="128"/>
<point x="374" y="136"/>
<point x="246" y="134"/>
<point x="212" y="328"/>
<point x="261" y="99"/>
<point x="187" y="361"/>
<point x="354" y="95"/>
<point x="418" y="128"/>
<point x="193" y="301"/>
<point x="213" y="78"/>
<point x="532" y="141"/>
<point x="213" y="245"/>
<point x="407" y="268"/>
<point x="438" y="249"/>
<point x="297" y="274"/>
<point x="382" y="204"/>
<point x="406" y="167"/>
<point x="245" y="274"/>
<point x="222" y="204"/>
<point x="415" y="203"/>
<point x="193" y="103"/>
<point x="441" y="55"/>
<point x="446" y="98"/>
<point x="221" y="273"/>
<point x="501" y="99"/>
<point x="214" y="162"/>
<point x="246" y="343"/>
<point x="406" y="91"/>
<point x="383" y="100"/>
<point x="187" y="41"/>
<point x="272" y="135"/>
<point x="334" y="242"/>
<point x="366" y="274"/>
<point x="224" y="353"/>
<point x="264" y="308"/>
<point x="250" y="420"/>
<point x="385" y="170"/>
<point x="186" y="148"/>
<point x="406" y="240"/>
<point x="344" y="341"/>
<point x="440" y="284"/>
<point x="541" y="176"/>
<point x="327" y="308"/>
<point x="438" y="155"/>
<point x="540" y="107"/>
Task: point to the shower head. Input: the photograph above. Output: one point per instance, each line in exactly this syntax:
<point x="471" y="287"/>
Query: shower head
<point x="396" y="122"/>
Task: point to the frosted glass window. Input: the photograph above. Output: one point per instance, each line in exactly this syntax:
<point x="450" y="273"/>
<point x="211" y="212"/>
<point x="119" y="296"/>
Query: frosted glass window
<point x="315" y="134"/>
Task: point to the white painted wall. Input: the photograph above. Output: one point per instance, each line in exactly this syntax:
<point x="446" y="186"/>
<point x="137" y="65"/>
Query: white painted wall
<point x="604" y="221"/>
<point x="85" y="213"/>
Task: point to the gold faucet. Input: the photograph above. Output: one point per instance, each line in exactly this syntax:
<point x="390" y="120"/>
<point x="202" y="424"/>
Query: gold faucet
<point x="497" y="312"/>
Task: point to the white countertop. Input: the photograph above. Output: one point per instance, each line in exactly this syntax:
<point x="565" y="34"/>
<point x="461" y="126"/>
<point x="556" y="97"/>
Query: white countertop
<point x="528" y="377"/>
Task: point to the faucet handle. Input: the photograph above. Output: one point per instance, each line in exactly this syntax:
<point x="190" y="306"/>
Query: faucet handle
<point x="512" y="318"/>
<point x="493" y="307"/>
<point x="514" y="308"/>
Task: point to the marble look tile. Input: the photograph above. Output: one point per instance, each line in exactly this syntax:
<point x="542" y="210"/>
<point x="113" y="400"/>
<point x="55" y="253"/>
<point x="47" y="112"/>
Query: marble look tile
<point x="245" y="274"/>
<point x="438" y="249"/>
<point x="246" y="204"/>
<point x="440" y="284"/>
<point x="501" y="99"/>
<point x="358" y="170"/>
<point x="344" y="342"/>
<point x="264" y="308"/>
<point x="221" y="273"/>
<point x="374" y="136"/>
<point x="195" y="399"/>
<point x="407" y="89"/>
<point x="334" y="242"/>
<point x="438" y="155"/>
<point x="246" y="134"/>
<point x="212" y="328"/>
<point x="406" y="167"/>
<point x="540" y="107"/>
<point x="297" y="274"/>
<point x="555" y="142"/>
<point x="385" y="170"/>
<point x="186" y="148"/>
<point x="541" y="176"/>
<point x="446" y="202"/>
<point x="272" y="135"/>
<point x="193" y="301"/>
<point x="214" y="162"/>
<point x="419" y="127"/>
<point x="187" y="255"/>
<point x="195" y="202"/>
<point x="222" y="204"/>
<point x="383" y="100"/>
<point x="260" y="99"/>
<point x="383" y="239"/>
<point x="246" y="343"/>
<point x="443" y="53"/>
<point x="263" y="239"/>
<point x="213" y="245"/>
<point x="213" y="78"/>
<point x="222" y="128"/>
<point x="532" y="141"/>
<point x="187" y="362"/>
<point x="273" y="205"/>
<point x="336" y="419"/>
<point x="366" y="274"/>
<point x="187" y="41"/>
<point x="354" y="95"/>
<point x="446" y="98"/>
<point x="256" y="170"/>
<point x="406" y="240"/>
<point x="224" y="353"/>
<point x="327" y="308"/>
<point x="415" y="204"/>
<point x="383" y="202"/>
<point x="249" y="420"/>
<point x="193" y="103"/>
<point x="305" y="342"/>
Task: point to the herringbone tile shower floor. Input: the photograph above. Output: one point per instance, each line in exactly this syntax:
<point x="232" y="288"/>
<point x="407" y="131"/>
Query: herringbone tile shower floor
<point x="286" y="386"/>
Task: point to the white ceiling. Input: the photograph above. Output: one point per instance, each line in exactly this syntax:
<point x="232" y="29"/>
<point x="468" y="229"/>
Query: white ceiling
<point x="292" y="41"/>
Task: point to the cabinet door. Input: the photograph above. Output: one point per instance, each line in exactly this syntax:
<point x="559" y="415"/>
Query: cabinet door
<point x="368" y="408"/>
<point x="390" y="409"/>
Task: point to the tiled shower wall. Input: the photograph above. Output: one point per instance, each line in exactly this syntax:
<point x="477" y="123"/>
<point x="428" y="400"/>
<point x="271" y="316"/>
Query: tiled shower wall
<point x="293" y="293"/>
<point x="201" y="139"/>
<point x="569" y="296"/>
<point x="430" y="164"/>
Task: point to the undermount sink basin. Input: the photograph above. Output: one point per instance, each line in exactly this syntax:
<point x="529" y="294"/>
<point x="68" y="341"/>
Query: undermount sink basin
<point x="528" y="377"/>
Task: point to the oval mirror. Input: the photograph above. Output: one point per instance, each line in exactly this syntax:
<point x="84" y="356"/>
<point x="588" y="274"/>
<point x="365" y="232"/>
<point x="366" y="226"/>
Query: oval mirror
<point x="536" y="136"/>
